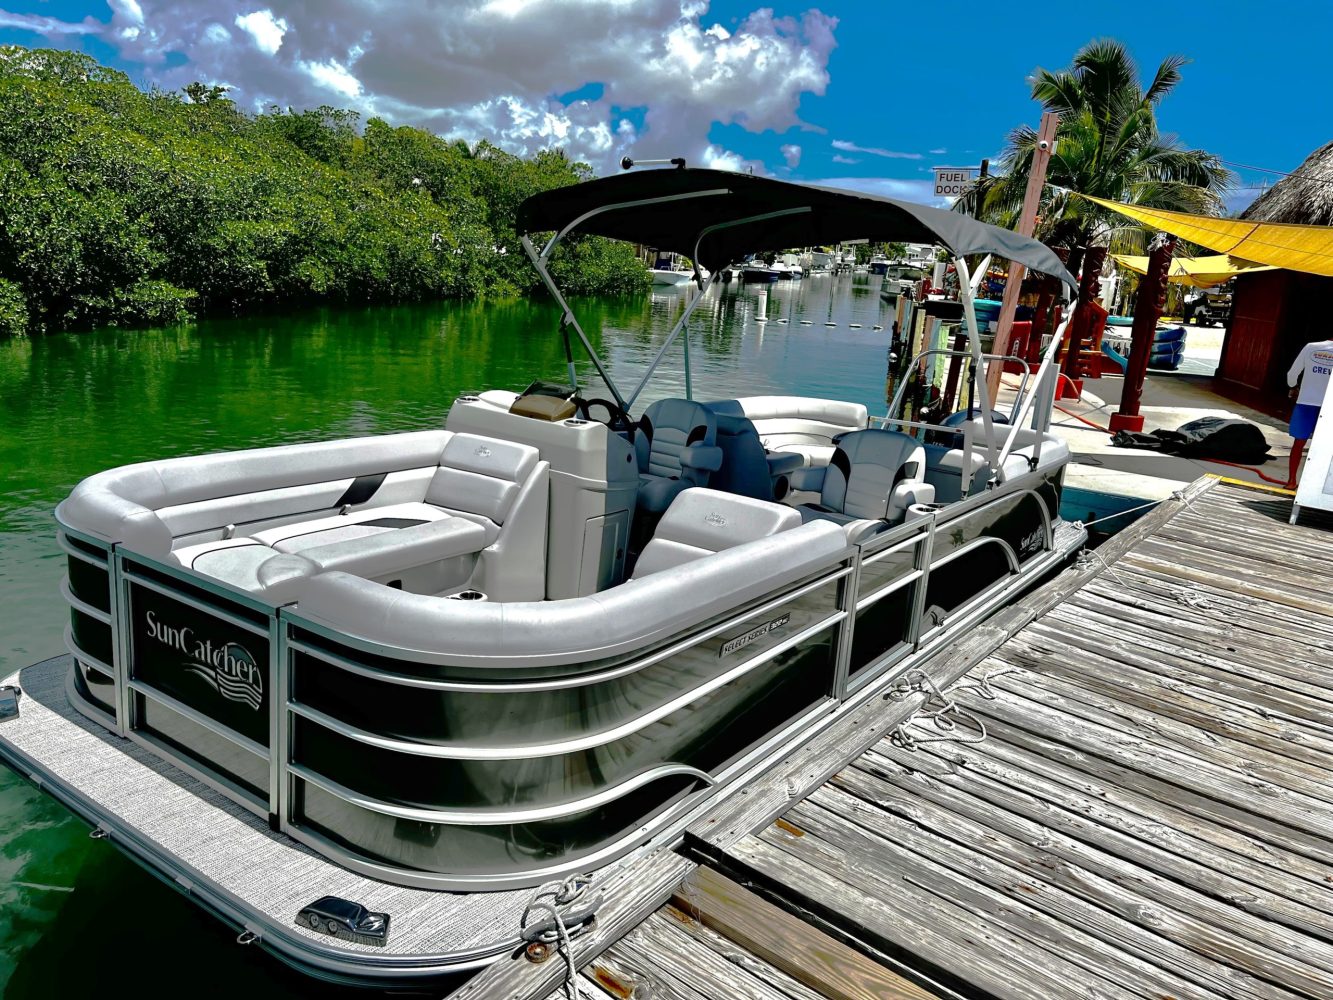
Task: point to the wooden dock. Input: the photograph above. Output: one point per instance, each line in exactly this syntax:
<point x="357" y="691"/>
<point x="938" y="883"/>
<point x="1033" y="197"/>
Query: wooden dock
<point x="1148" y="814"/>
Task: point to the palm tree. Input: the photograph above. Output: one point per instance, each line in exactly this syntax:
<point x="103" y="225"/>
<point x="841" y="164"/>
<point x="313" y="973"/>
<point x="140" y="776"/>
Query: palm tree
<point x="1107" y="145"/>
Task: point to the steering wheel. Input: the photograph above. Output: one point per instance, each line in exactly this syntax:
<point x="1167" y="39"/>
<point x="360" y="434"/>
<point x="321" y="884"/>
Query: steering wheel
<point x="617" y="419"/>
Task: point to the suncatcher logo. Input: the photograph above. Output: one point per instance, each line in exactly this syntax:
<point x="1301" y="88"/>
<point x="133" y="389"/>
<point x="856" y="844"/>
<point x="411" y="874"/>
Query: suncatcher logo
<point x="229" y="669"/>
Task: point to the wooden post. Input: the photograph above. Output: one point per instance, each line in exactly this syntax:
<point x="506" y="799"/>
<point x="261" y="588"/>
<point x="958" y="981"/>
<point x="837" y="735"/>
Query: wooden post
<point x="1147" y="311"/>
<point x="1094" y="258"/>
<point x="1027" y="222"/>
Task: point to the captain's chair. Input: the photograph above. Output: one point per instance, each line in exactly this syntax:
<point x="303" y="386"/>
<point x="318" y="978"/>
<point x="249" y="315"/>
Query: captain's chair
<point x="747" y="468"/>
<point x="873" y="474"/>
<point x="676" y="446"/>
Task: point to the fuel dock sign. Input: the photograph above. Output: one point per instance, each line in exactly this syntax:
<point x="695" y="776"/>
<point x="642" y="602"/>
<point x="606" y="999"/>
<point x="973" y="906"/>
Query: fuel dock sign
<point x="950" y="182"/>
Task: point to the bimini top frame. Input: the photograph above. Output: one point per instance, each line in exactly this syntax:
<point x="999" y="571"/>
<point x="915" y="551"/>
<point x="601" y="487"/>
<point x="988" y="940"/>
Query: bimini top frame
<point x="717" y="218"/>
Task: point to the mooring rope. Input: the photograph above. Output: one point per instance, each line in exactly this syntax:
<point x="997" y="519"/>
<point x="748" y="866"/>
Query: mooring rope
<point x="569" y="913"/>
<point x="945" y="718"/>
<point x="1190" y="597"/>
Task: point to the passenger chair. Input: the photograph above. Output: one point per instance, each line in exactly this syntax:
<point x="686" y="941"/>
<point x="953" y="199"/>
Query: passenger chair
<point x="676" y="448"/>
<point x="873" y="474"/>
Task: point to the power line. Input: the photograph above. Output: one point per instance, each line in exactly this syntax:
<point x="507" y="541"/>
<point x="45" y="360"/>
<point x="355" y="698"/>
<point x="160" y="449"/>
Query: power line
<point x="1298" y="172"/>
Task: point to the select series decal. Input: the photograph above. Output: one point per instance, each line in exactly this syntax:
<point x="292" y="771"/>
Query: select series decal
<point x="229" y="669"/>
<point x="741" y="641"/>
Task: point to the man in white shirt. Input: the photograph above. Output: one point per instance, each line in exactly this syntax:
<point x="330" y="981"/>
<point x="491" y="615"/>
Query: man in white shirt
<point x="1311" y="368"/>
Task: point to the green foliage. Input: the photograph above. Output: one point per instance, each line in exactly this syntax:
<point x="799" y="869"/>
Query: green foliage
<point x="124" y="207"/>
<point x="13" y="309"/>
<point x="1107" y="145"/>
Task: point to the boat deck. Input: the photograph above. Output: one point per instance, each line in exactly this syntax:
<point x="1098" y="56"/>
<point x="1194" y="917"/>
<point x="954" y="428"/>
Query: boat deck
<point x="1149" y="813"/>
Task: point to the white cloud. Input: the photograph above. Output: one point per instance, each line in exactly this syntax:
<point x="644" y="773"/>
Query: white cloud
<point x="791" y="153"/>
<point x="716" y="158"/>
<point x="333" y="75"/>
<point x="49" y="25"/>
<point x="938" y="152"/>
<point x="486" y="69"/>
<point x="839" y="158"/>
<point x="266" y="30"/>
<point x="851" y="147"/>
<point x="127" y="9"/>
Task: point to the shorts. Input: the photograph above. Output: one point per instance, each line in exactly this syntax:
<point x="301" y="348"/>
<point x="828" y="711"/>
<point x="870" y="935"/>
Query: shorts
<point x="1303" y="419"/>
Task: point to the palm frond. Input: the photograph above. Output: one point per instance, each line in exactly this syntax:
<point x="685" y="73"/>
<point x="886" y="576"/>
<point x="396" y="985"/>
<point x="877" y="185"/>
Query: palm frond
<point x="1167" y="76"/>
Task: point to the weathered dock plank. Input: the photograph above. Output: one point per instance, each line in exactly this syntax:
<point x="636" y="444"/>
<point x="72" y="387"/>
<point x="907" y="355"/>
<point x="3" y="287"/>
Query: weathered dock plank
<point x="1149" y="812"/>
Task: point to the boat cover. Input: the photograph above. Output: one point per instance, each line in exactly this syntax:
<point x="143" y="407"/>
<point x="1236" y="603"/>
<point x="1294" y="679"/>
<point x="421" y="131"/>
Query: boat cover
<point x="682" y="209"/>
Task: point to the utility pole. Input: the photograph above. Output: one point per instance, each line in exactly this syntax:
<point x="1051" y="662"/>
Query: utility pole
<point x="1027" y="222"/>
<point x="982" y="174"/>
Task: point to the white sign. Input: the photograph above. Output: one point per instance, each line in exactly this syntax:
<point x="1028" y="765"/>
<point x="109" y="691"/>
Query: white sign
<point x="950" y="182"/>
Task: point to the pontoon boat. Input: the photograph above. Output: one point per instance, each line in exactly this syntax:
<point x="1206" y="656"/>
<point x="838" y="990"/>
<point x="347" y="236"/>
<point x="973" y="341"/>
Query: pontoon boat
<point x="425" y="672"/>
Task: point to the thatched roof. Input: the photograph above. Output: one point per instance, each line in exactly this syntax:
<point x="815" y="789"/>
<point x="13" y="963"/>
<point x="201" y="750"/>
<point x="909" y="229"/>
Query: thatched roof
<point x="1305" y="197"/>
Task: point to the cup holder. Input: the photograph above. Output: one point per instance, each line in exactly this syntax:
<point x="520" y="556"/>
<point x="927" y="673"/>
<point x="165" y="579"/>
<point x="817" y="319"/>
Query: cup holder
<point x="468" y="595"/>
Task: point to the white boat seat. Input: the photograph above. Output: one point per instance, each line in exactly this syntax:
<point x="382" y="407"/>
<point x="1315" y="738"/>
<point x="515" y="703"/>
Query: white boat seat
<point x="245" y="563"/>
<point x="387" y="553"/>
<point x="872" y="474"/>
<point x="700" y="522"/>
<point x="354" y="524"/>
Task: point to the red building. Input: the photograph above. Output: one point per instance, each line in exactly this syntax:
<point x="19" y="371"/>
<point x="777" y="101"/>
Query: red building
<point x="1276" y="313"/>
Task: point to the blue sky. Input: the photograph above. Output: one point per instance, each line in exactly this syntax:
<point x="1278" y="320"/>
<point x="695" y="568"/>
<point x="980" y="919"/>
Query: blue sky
<point x="872" y="101"/>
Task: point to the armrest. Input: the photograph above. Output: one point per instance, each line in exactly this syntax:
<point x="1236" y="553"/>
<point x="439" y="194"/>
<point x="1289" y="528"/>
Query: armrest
<point x="906" y="494"/>
<point x="704" y="457"/>
<point x="782" y="463"/>
<point x="809" y="477"/>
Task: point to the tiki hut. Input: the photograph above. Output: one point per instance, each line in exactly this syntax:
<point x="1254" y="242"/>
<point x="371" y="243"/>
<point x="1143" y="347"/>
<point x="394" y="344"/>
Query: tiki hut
<point x="1276" y="313"/>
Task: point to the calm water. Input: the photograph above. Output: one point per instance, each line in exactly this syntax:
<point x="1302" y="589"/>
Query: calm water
<point x="70" y="406"/>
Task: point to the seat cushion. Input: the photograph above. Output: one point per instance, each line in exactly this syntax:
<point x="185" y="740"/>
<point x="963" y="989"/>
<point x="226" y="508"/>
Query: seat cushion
<point x="667" y="428"/>
<point x="481" y="476"/>
<point x="389" y="552"/>
<point x="702" y="521"/>
<point x="250" y="566"/>
<point x="343" y="527"/>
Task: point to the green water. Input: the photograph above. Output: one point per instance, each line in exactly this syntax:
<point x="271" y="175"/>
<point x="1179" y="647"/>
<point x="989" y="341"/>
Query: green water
<point x="72" y="908"/>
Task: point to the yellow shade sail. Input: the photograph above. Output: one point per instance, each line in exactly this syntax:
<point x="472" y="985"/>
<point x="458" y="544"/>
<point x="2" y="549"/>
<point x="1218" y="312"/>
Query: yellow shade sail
<point x="1201" y="272"/>
<point x="1296" y="248"/>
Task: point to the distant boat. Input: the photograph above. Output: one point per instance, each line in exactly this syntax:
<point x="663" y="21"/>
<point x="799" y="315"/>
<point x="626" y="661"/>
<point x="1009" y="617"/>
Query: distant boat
<point x="788" y="266"/>
<point x="820" y="262"/>
<point x="670" y="271"/>
<point x="757" y="272"/>
<point x="879" y="264"/>
<point x="670" y="276"/>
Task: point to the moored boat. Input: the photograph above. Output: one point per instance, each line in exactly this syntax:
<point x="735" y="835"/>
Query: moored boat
<point x="429" y="671"/>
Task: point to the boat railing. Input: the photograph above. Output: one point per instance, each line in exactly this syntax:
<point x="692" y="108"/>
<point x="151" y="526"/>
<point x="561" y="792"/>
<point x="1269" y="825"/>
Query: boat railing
<point x="366" y="747"/>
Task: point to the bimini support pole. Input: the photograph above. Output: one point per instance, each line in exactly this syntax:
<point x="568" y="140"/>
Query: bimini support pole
<point x="1040" y="400"/>
<point x="569" y="320"/>
<point x="978" y="371"/>
<point x="671" y="339"/>
<point x="712" y="278"/>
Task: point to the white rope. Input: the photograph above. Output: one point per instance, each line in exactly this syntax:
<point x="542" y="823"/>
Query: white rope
<point x="1190" y="597"/>
<point x="559" y="899"/>
<point x="945" y="718"/>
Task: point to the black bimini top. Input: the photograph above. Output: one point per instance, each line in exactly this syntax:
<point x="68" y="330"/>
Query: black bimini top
<point x="718" y="218"/>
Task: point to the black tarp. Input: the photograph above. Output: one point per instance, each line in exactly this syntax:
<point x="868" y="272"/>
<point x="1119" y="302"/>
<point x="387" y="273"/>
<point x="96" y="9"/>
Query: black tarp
<point x="1224" y="438"/>
<point x="701" y="199"/>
